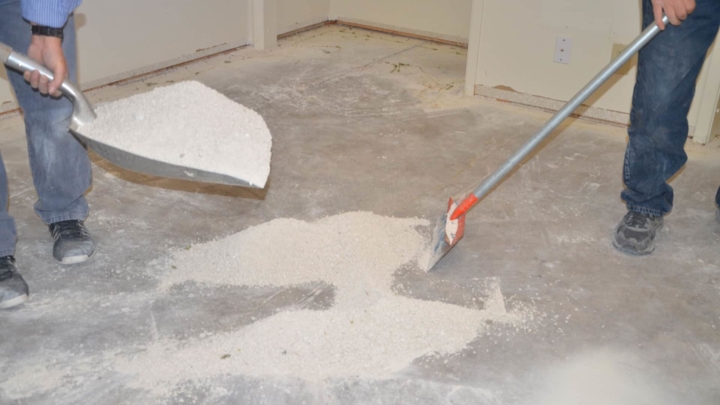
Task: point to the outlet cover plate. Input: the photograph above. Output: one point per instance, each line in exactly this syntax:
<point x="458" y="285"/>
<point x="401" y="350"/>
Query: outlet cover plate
<point x="563" y="49"/>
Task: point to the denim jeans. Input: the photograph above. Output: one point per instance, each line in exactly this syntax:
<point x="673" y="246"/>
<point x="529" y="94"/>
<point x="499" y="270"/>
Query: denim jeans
<point x="60" y="165"/>
<point x="668" y="68"/>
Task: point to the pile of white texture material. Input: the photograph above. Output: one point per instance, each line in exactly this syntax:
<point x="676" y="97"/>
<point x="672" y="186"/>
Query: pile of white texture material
<point x="369" y="331"/>
<point x="188" y="124"/>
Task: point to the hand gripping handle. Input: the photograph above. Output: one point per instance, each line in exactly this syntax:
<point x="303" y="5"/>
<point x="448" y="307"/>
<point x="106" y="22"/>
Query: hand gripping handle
<point x="83" y="112"/>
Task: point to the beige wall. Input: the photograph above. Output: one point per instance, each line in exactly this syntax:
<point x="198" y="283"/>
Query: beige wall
<point x="117" y="37"/>
<point x="448" y="18"/>
<point x="294" y="14"/>
<point x="517" y="43"/>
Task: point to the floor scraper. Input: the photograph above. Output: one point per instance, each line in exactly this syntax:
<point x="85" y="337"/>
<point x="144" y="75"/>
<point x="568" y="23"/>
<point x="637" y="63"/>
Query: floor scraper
<point x="450" y="227"/>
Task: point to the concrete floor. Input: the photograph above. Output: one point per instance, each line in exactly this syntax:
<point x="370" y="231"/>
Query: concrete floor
<point x="367" y="121"/>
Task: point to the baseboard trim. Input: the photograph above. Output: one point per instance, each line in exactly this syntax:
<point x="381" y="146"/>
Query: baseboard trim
<point x="404" y="32"/>
<point x="11" y="109"/>
<point x="199" y="55"/>
<point x="547" y="104"/>
<point x="306" y="26"/>
<point x="585" y="112"/>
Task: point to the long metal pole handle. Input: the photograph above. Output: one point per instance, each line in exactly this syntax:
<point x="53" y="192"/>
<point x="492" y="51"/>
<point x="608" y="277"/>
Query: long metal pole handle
<point x="83" y="112"/>
<point x="490" y="182"/>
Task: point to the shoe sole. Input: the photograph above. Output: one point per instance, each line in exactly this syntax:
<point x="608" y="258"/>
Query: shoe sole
<point x="14" y="302"/>
<point x="74" y="259"/>
<point x="635" y="253"/>
<point x="630" y="251"/>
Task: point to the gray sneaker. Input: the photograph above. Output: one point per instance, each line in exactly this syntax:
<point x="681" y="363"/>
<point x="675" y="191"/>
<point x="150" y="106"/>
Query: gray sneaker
<point x="13" y="289"/>
<point x="635" y="234"/>
<point x="73" y="242"/>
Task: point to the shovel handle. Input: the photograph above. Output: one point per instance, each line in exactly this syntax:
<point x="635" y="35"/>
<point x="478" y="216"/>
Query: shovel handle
<point x="83" y="112"/>
<point x="489" y="183"/>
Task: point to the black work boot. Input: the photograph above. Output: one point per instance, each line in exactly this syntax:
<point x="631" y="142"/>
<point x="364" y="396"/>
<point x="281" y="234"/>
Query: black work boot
<point x="73" y="242"/>
<point x="635" y="234"/>
<point x="13" y="289"/>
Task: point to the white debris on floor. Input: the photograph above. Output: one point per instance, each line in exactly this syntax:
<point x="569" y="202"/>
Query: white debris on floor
<point x="369" y="331"/>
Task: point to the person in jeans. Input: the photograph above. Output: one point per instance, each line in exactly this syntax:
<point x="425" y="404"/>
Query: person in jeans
<point x="60" y="166"/>
<point x="668" y="68"/>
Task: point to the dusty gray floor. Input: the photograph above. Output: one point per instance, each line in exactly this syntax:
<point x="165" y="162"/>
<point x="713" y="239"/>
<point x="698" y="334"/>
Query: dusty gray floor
<point x="364" y="121"/>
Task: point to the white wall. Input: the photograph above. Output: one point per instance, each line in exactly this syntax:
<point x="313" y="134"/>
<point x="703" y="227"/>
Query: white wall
<point x="517" y="43"/>
<point x="446" y="19"/>
<point x="117" y="37"/>
<point x="295" y="14"/>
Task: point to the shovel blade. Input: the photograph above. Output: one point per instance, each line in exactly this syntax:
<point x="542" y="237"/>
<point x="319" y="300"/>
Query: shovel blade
<point x="140" y="164"/>
<point x="445" y="235"/>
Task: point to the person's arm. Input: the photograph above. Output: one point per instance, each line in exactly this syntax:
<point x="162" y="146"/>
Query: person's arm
<point x="48" y="49"/>
<point x="676" y="10"/>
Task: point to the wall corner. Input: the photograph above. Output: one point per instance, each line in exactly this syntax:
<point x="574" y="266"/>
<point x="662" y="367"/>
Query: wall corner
<point x="264" y="27"/>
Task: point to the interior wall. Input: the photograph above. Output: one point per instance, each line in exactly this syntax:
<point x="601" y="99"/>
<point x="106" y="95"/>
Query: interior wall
<point x="448" y="19"/>
<point x="117" y="37"/>
<point x="517" y="44"/>
<point x="715" y="131"/>
<point x="295" y="14"/>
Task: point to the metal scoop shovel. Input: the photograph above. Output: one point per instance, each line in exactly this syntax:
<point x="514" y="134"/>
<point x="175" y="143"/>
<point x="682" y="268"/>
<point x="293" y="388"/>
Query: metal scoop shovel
<point x="84" y="114"/>
<point x="450" y="227"/>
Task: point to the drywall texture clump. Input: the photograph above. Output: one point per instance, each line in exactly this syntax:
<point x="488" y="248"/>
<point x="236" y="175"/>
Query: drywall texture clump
<point x="369" y="331"/>
<point x="188" y="124"/>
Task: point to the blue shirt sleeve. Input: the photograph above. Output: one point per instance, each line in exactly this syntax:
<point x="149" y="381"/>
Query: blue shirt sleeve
<point x="52" y="13"/>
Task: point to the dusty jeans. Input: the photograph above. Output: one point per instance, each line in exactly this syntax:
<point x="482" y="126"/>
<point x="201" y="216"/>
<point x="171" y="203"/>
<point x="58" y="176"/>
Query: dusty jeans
<point x="668" y="68"/>
<point x="60" y="165"/>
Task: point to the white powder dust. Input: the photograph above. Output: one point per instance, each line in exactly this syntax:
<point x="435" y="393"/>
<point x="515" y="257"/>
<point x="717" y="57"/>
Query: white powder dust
<point x="191" y="125"/>
<point x="35" y="378"/>
<point x="369" y="331"/>
<point x="600" y="377"/>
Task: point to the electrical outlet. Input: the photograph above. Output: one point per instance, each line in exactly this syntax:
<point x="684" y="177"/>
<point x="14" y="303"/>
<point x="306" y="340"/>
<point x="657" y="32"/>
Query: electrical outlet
<point x="563" y="48"/>
<point x="617" y="49"/>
